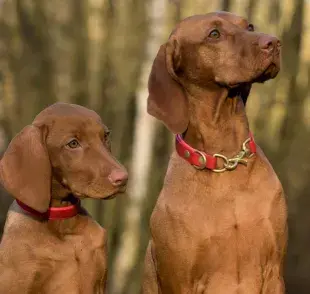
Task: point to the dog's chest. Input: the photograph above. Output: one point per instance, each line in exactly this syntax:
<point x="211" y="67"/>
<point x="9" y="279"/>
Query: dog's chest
<point x="76" y="265"/>
<point x="230" y="233"/>
<point x="85" y="274"/>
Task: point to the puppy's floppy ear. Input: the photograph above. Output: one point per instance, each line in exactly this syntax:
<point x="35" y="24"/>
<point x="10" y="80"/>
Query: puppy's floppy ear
<point x="25" y="169"/>
<point x="167" y="101"/>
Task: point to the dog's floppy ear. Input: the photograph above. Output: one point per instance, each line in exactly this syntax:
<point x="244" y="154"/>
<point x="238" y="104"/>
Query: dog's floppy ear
<point x="167" y="101"/>
<point x="25" y="169"/>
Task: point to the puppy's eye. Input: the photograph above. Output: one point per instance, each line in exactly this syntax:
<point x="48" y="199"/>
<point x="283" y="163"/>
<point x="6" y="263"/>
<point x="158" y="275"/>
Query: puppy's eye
<point x="251" y="28"/>
<point x="73" y="144"/>
<point x="214" y="34"/>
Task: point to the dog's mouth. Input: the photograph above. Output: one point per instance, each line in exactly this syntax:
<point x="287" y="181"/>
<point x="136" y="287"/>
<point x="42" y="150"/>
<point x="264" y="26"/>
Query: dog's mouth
<point x="271" y="70"/>
<point x="105" y="196"/>
<point x="110" y="194"/>
<point x="110" y="197"/>
<point x="269" y="73"/>
<point x="120" y="190"/>
<point x="242" y="89"/>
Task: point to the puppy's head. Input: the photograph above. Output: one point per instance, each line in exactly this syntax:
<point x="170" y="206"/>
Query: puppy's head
<point x="207" y="51"/>
<point x="65" y="151"/>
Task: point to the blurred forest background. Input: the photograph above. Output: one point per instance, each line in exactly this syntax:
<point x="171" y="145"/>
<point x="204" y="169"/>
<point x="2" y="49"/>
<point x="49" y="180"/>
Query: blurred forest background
<point x="98" y="53"/>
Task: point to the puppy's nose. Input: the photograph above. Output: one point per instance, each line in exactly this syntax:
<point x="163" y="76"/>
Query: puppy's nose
<point x="269" y="43"/>
<point x="118" y="178"/>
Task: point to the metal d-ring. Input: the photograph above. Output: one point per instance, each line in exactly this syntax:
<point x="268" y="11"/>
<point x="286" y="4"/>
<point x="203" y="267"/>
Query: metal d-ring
<point x="204" y="159"/>
<point x="226" y="163"/>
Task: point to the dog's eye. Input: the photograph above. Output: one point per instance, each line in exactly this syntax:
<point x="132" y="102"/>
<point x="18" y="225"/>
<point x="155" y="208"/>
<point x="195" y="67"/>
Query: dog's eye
<point x="215" y="34"/>
<point x="73" y="144"/>
<point x="251" y="28"/>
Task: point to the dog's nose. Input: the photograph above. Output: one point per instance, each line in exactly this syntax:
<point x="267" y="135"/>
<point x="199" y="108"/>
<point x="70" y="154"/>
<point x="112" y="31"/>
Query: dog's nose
<point x="118" y="178"/>
<point x="269" y="43"/>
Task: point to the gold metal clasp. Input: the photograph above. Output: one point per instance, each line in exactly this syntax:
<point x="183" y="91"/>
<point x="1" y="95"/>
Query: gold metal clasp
<point x="232" y="163"/>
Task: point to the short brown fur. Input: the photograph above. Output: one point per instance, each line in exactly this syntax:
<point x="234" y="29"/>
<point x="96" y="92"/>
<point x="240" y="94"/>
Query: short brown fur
<point x="214" y="233"/>
<point x="38" y="168"/>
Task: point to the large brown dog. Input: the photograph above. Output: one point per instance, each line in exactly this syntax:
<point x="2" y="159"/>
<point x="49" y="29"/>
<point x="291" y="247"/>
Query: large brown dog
<point x="50" y="244"/>
<point x="219" y="226"/>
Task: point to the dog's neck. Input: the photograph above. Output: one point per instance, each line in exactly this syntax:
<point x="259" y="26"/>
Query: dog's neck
<point x="218" y="122"/>
<point x="60" y="195"/>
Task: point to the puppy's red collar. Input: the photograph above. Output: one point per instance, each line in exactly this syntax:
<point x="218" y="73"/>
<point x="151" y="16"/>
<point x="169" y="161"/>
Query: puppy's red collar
<point x="54" y="213"/>
<point x="202" y="160"/>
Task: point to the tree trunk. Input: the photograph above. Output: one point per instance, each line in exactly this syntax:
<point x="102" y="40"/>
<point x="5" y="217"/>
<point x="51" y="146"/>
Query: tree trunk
<point x="144" y="136"/>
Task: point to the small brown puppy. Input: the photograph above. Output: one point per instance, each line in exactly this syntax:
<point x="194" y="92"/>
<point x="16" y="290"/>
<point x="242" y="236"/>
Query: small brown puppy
<point x="219" y="226"/>
<point x="50" y="244"/>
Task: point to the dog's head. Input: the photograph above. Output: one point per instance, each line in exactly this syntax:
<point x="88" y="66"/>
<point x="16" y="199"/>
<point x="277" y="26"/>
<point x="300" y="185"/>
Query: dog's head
<point x="66" y="150"/>
<point x="209" y="51"/>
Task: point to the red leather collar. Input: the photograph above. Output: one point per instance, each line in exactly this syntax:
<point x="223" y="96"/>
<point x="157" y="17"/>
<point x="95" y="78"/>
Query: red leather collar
<point x="54" y="213"/>
<point x="203" y="160"/>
